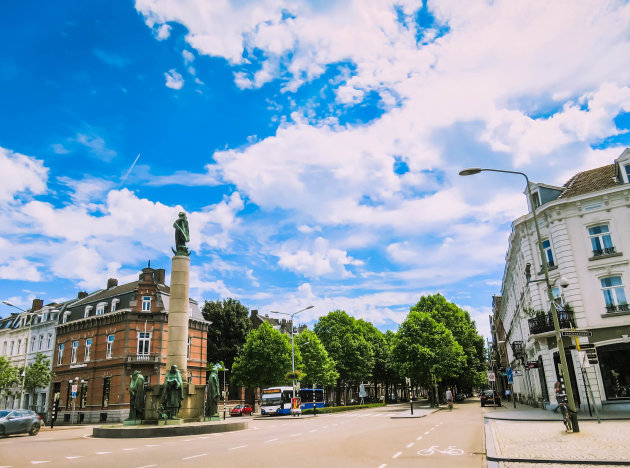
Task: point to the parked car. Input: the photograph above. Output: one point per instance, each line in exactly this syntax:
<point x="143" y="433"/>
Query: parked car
<point x="240" y="410"/>
<point x="19" y="421"/>
<point x="486" y="398"/>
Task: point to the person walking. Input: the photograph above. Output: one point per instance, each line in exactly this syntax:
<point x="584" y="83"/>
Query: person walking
<point x="557" y="388"/>
<point x="449" y="399"/>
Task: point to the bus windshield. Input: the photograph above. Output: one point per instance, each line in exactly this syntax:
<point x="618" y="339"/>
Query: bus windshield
<point x="272" y="399"/>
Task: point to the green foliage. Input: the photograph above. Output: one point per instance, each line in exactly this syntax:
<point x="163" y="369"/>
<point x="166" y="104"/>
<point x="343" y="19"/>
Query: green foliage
<point x="317" y="364"/>
<point x="464" y="331"/>
<point x="265" y="359"/>
<point x="379" y="347"/>
<point x="9" y="374"/>
<point x="343" y="338"/>
<point x="38" y="374"/>
<point x="229" y="329"/>
<point x="424" y="348"/>
<point x="338" y="409"/>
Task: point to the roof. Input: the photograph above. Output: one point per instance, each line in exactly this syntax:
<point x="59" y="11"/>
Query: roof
<point x="107" y="293"/>
<point x="590" y="181"/>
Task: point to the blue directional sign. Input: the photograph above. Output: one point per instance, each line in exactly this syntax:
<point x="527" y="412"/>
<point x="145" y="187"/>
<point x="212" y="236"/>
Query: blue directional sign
<point x="510" y="377"/>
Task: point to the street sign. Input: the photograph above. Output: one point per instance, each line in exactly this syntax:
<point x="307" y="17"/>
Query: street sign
<point x="508" y="372"/>
<point x="576" y="333"/>
<point x="75" y="387"/>
<point x="491" y="377"/>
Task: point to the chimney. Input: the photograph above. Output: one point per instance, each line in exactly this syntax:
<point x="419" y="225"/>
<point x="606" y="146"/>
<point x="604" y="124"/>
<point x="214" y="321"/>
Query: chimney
<point x="37" y="305"/>
<point x="112" y="283"/>
<point x="254" y="313"/>
<point x="159" y="276"/>
<point x="82" y="295"/>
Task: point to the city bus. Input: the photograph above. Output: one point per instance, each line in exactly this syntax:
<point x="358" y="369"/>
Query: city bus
<point x="277" y="400"/>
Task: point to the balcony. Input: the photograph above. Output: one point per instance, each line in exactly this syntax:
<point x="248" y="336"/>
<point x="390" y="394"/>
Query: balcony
<point x="543" y="322"/>
<point x="611" y="308"/>
<point x="141" y="358"/>
<point x="518" y="349"/>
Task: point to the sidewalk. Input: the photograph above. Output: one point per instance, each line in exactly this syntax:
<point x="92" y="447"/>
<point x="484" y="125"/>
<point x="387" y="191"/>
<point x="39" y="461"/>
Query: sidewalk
<point x="525" y="435"/>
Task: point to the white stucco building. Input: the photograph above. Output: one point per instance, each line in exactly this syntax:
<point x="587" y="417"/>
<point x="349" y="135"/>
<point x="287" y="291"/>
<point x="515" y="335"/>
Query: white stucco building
<point x="585" y="231"/>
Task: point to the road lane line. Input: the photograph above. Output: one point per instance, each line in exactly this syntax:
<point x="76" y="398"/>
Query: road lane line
<point x="419" y="438"/>
<point x="410" y="445"/>
<point x="102" y="453"/>
<point x="313" y="430"/>
<point x="426" y="433"/>
<point x="147" y="466"/>
<point x="74" y="457"/>
<point x="195" y="456"/>
<point x="397" y="454"/>
<point x="270" y="440"/>
<point x="383" y="465"/>
<point x="151" y="445"/>
<point x="37" y="462"/>
<point x="296" y="435"/>
<point x="130" y="448"/>
<point x="238" y="447"/>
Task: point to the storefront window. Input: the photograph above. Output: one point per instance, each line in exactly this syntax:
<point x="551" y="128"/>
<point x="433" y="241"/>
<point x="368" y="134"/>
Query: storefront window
<point x="614" y="361"/>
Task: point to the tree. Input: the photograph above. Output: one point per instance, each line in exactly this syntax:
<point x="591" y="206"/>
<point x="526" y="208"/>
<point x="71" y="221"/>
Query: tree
<point x="343" y="338"/>
<point x="38" y="375"/>
<point x="464" y="331"/>
<point x="318" y="366"/>
<point x="229" y="329"/>
<point x="380" y="350"/>
<point x="426" y="351"/>
<point x="265" y="359"/>
<point x="9" y="375"/>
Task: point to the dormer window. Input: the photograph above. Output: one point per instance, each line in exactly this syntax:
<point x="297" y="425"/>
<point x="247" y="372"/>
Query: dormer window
<point x="100" y="308"/>
<point x="146" y="303"/>
<point x="626" y="173"/>
<point x="65" y="316"/>
<point x="535" y="199"/>
<point x="88" y="309"/>
<point x="115" y="304"/>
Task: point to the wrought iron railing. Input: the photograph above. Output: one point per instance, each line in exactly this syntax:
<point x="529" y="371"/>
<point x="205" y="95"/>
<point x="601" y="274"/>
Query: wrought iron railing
<point x="543" y="322"/>
<point x="140" y="358"/>
<point x="604" y="251"/>
<point x="617" y="308"/>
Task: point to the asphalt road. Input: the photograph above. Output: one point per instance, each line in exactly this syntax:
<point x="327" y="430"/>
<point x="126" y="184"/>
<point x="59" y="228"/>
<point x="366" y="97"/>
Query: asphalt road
<point x="371" y="438"/>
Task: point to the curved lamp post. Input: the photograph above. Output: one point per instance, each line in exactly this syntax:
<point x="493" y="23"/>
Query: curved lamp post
<point x="28" y="338"/>
<point x="292" y="347"/>
<point x="554" y="312"/>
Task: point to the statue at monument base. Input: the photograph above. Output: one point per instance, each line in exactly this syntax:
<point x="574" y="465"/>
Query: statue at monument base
<point x="136" y="396"/>
<point x="172" y="394"/>
<point x="212" y="405"/>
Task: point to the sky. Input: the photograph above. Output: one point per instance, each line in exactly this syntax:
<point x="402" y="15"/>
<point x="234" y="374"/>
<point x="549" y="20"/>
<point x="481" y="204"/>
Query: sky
<point x="314" y="145"/>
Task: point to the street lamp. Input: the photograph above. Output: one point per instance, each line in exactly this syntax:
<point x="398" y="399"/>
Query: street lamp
<point x="28" y="338"/>
<point x="292" y="347"/>
<point x="554" y="312"/>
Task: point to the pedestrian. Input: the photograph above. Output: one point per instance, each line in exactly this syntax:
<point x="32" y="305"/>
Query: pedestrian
<point x="508" y="392"/>
<point x="449" y="399"/>
<point x="557" y="389"/>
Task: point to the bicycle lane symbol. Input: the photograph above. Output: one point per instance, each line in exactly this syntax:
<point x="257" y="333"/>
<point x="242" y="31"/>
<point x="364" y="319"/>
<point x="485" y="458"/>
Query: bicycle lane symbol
<point x="450" y="450"/>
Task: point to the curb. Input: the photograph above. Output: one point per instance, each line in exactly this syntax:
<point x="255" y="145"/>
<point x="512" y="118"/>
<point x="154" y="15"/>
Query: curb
<point x="130" y="432"/>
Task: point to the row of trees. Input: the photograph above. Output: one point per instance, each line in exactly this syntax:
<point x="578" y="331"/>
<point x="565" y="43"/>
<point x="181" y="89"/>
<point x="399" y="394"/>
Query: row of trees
<point x="436" y="345"/>
<point x="38" y="374"/>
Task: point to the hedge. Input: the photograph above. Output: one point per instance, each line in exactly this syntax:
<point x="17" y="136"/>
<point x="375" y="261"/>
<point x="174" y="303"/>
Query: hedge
<point x="337" y="409"/>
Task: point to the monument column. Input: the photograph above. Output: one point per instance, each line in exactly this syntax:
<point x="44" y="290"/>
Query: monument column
<point x="177" y="348"/>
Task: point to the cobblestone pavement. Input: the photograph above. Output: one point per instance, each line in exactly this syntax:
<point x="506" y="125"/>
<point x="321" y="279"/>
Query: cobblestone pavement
<point x="548" y="440"/>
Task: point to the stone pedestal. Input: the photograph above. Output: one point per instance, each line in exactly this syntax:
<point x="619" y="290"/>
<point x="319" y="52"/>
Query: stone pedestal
<point x="177" y="346"/>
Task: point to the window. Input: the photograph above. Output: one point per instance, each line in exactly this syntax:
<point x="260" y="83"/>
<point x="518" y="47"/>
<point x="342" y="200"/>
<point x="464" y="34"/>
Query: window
<point x="33" y="343"/>
<point x="73" y="356"/>
<point x="601" y="240"/>
<point x="41" y="341"/>
<point x="49" y="341"/>
<point x="19" y="350"/>
<point x="146" y="303"/>
<point x="546" y="245"/>
<point x="614" y="294"/>
<point x="60" y="355"/>
<point x="86" y="314"/>
<point x="100" y="308"/>
<point x="69" y="396"/>
<point x="144" y="341"/>
<point x="110" y="346"/>
<point x="114" y="304"/>
<point x="12" y="346"/>
<point x="106" y="385"/>
<point x="83" y="394"/>
<point x="188" y="348"/>
<point x="627" y="168"/>
<point x="65" y="317"/>
<point x="614" y="362"/>
<point x="558" y="298"/>
<point x="88" y="349"/>
<point x="4" y="348"/>
<point x="535" y="199"/>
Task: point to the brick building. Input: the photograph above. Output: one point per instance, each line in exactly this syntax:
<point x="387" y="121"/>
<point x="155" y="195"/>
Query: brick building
<point x="103" y="337"/>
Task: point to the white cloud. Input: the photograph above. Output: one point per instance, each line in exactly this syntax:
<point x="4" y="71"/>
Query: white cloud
<point x="189" y="57"/>
<point x="19" y="174"/>
<point x="174" y="80"/>
<point x="163" y="32"/>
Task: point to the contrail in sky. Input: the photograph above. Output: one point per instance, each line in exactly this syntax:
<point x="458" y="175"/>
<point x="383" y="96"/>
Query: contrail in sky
<point x="130" y="169"/>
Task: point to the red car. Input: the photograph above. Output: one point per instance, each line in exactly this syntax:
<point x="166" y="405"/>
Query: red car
<point x="240" y="410"/>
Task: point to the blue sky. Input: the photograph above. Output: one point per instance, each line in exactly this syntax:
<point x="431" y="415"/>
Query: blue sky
<point x="314" y="145"/>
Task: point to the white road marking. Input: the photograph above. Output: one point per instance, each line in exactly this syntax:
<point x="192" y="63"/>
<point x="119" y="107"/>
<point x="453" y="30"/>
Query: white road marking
<point x="426" y="433"/>
<point x="313" y="430"/>
<point x="397" y="454"/>
<point x="74" y="457"/>
<point x="419" y="438"/>
<point x="102" y="453"/>
<point x="37" y="462"/>
<point x="270" y="440"/>
<point x="383" y="465"/>
<point x="128" y="449"/>
<point x="410" y="445"/>
<point x="202" y="437"/>
<point x="87" y="436"/>
<point x="195" y="456"/>
<point x="146" y="466"/>
<point x="296" y="435"/>
<point x="238" y="447"/>
<point x="151" y="445"/>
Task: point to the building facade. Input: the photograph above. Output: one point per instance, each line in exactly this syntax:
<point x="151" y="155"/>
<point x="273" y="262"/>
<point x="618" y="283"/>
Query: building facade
<point x="103" y="337"/>
<point x="585" y="232"/>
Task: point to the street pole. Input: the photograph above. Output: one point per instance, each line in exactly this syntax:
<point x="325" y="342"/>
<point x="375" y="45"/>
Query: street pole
<point x="554" y="312"/>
